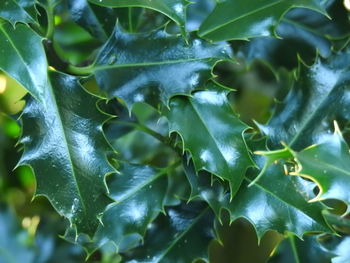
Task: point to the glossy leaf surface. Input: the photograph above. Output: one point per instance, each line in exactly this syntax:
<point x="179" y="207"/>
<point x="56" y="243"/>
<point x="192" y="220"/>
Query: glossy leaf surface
<point x="174" y="9"/>
<point x="98" y="21"/>
<point x="182" y="236"/>
<point x="23" y="58"/>
<point x="328" y="163"/>
<point x="240" y="19"/>
<point x="212" y="133"/>
<point x="64" y="145"/>
<point x="293" y="250"/>
<point x="303" y="32"/>
<point x="18" y="11"/>
<point x="152" y="67"/>
<point x="266" y="205"/>
<point x="139" y="192"/>
<point x="319" y="96"/>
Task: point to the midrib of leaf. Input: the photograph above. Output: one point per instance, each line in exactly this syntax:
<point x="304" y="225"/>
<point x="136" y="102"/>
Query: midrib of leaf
<point x="241" y="17"/>
<point x="182" y="234"/>
<point x="18" y="53"/>
<point x="279" y="198"/>
<point x="136" y="189"/>
<point x="145" y="64"/>
<point x="205" y="126"/>
<point x="332" y="167"/>
<point x="311" y="116"/>
<point x="294" y="248"/>
<point x="52" y="94"/>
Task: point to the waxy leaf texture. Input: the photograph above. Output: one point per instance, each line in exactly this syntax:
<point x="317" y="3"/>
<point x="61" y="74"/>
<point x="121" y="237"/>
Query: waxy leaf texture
<point x="64" y="145"/>
<point x="153" y="67"/>
<point x="159" y="134"/>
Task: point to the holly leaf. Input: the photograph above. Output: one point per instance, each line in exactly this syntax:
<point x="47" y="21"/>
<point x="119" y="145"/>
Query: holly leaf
<point x="152" y="67"/>
<point x="304" y="251"/>
<point x="216" y="143"/>
<point x="309" y="109"/>
<point x="237" y="19"/>
<point x="182" y="236"/>
<point x="174" y="9"/>
<point x="303" y="32"/>
<point x="139" y="193"/>
<point x="18" y="11"/>
<point x="265" y="204"/>
<point x="328" y="164"/>
<point x="98" y="21"/>
<point x="23" y="58"/>
<point x="65" y="146"/>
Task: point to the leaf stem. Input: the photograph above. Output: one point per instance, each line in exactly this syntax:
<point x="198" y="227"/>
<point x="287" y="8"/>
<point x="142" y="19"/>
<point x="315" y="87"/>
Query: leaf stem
<point x="131" y="29"/>
<point x="158" y="136"/>
<point x="50" y="19"/>
<point x="80" y="70"/>
<point x="144" y="128"/>
<point x="291" y="238"/>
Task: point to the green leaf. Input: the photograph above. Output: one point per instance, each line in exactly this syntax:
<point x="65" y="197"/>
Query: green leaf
<point x="239" y="19"/>
<point x="182" y="236"/>
<point x="319" y="96"/>
<point x="174" y="9"/>
<point x="266" y="204"/>
<point x="139" y="193"/>
<point x="327" y="163"/>
<point x="98" y="21"/>
<point x="23" y="58"/>
<point x="65" y="146"/>
<point x="304" y="32"/>
<point x="152" y="67"/>
<point x="18" y="11"/>
<point x="310" y="249"/>
<point x="212" y="133"/>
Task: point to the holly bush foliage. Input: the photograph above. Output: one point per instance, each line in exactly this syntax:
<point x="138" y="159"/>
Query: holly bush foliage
<point x="175" y="131"/>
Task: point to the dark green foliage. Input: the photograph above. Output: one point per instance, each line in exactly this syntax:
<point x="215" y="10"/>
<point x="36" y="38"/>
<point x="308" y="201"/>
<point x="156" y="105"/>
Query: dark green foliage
<point x="154" y="132"/>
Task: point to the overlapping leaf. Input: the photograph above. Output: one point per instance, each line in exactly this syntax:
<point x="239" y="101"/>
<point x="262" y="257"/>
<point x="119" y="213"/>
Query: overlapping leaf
<point x="182" y="236"/>
<point x="303" y="251"/>
<point x="240" y="19"/>
<point x="18" y="11"/>
<point x="98" y="21"/>
<point x="64" y="145"/>
<point x="139" y="192"/>
<point x="174" y="9"/>
<point x="152" y="67"/>
<point x="320" y="95"/>
<point x="266" y="204"/>
<point x="212" y="133"/>
<point x="23" y="58"/>
<point x="304" y="32"/>
<point x="328" y="163"/>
